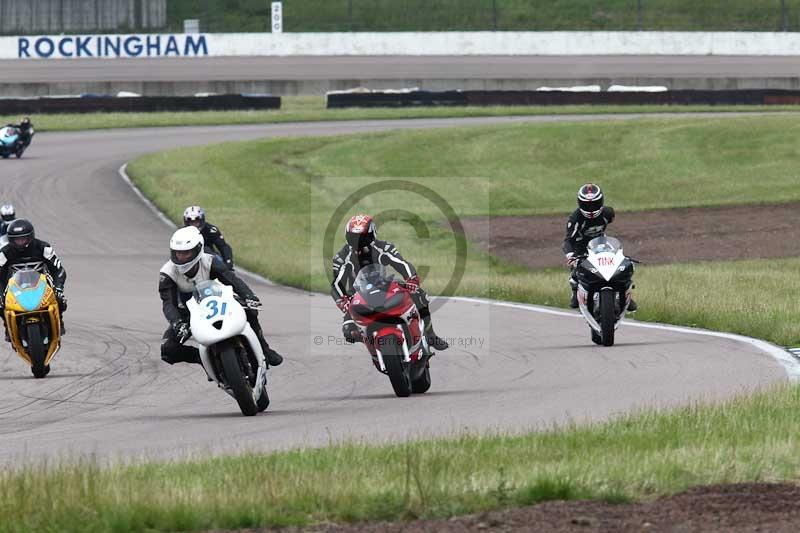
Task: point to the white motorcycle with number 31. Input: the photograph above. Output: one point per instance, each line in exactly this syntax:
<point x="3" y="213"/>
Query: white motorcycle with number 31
<point x="229" y="349"/>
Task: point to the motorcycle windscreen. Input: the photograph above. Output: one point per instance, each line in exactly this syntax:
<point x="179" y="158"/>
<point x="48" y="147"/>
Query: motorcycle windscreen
<point x="372" y="283"/>
<point x="28" y="288"/>
<point x="9" y="134"/>
<point x="604" y="244"/>
<point x="207" y="289"/>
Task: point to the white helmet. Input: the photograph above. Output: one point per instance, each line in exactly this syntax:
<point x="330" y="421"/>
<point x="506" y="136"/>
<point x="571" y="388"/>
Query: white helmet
<point x="7" y="212"/>
<point x="186" y="239"/>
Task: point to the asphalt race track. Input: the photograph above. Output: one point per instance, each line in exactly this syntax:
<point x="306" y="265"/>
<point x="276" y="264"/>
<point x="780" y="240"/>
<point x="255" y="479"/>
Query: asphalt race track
<point x="396" y="68"/>
<point x="110" y="394"/>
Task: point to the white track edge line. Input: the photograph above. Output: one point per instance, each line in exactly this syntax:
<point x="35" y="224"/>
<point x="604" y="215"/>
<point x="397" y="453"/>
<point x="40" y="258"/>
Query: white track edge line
<point x="787" y="360"/>
<point x="790" y="363"/>
<point x="123" y="173"/>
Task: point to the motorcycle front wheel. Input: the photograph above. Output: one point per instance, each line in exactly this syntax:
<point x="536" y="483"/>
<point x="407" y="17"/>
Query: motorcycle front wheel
<point x="395" y="369"/>
<point x="607" y="317"/>
<point x="37" y="351"/>
<point x="236" y="379"/>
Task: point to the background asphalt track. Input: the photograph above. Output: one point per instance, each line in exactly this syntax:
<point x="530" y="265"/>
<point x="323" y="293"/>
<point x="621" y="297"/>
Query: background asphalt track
<point x="396" y="68"/>
<point x="110" y="394"/>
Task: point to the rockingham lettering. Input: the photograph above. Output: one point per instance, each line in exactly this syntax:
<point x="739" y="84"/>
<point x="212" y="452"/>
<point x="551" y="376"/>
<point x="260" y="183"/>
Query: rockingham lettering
<point x="110" y="46"/>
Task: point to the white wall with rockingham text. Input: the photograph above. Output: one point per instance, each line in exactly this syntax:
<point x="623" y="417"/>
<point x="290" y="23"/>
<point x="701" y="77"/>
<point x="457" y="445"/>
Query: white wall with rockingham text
<point x="376" y="44"/>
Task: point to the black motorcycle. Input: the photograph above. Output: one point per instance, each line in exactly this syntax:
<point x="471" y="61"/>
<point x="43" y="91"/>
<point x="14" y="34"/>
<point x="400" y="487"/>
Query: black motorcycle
<point x="605" y="280"/>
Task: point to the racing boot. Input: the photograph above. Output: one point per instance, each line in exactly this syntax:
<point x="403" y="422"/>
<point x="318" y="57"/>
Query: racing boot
<point x="573" y="302"/>
<point x="434" y="340"/>
<point x="351" y="332"/>
<point x="273" y="357"/>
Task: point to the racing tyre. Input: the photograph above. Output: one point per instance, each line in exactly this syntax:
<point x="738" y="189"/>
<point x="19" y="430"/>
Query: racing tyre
<point x="423" y="382"/>
<point x="236" y="379"/>
<point x="37" y="351"/>
<point x="396" y="370"/>
<point x="263" y="401"/>
<point x="607" y="317"/>
<point x="596" y="338"/>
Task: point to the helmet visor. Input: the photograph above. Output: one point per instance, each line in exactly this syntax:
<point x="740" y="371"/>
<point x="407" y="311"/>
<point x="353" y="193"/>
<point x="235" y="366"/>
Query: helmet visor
<point x="21" y="241"/>
<point x="360" y="241"/>
<point x="591" y="208"/>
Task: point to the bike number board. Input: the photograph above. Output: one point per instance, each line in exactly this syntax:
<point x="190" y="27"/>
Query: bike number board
<point x="214" y="307"/>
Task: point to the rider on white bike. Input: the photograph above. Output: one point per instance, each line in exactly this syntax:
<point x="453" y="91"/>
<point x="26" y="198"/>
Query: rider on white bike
<point x="189" y="265"/>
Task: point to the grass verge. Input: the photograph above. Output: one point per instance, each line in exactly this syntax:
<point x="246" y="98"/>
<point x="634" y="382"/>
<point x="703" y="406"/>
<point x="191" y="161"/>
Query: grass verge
<point x="280" y="195"/>
<point x="751" y="439"/>
<point x="312" y="109"/>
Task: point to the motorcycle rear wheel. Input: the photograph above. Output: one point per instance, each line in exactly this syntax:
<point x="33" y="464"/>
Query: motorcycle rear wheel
<point x="423" y="382"/>
<point x="596" y="337"/>
<point x="237" y="381"/>
<point x="607" y="317"/>
<point x="396" y="370"/>
<point x="263" y="401"/>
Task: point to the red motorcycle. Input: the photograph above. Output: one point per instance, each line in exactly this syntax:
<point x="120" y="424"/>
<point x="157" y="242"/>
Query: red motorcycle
<point x="391" y="328"/>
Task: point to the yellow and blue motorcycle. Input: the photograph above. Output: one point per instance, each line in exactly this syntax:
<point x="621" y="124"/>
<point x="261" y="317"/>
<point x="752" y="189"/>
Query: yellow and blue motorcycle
<point x="33" y="319"/>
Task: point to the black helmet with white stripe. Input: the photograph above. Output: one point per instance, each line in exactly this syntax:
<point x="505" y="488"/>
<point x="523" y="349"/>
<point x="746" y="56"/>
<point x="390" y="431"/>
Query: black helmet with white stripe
<point x="20" y="234"/>
<point x="590" y="200"/>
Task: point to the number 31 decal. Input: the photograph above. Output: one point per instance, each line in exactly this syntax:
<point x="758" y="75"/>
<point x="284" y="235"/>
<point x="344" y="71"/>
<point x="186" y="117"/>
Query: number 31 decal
<point x="214" y="309"/>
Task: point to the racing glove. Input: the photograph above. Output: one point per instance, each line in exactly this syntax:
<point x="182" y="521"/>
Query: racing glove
<point x="253" y="303"/>
<point x="412" y="284"/>
<point x="62" y="300"/>
<point x="572" y="260"/>
<point x="343" y="304"/>
<point x="182" y="331"/>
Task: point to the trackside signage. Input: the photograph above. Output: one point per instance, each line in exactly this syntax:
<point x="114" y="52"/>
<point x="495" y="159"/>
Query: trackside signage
<point x="501" y="43"/>
<point x="112" y="46"/>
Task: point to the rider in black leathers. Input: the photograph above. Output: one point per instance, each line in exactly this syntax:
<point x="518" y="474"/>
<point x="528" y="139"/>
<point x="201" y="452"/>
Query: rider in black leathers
<point x="24" y="248"/>
<point x="362" y="249"/>
<point x="212" y="236"/>
<point x="587" y="222"/>
<point x="25" y="128"/>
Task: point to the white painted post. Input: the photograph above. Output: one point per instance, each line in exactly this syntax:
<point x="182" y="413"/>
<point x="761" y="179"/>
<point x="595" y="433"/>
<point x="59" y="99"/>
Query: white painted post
<point x="191" y="26"/>
<point x="277" y="17"/>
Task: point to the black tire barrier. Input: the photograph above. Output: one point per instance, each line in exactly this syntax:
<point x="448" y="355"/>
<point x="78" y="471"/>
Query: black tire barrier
<point x="546" y="98"/>
<point x="107" y="104"/>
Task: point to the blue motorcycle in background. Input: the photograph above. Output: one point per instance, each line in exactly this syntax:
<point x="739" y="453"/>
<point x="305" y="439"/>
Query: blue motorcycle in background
<point x="11" y="143"/>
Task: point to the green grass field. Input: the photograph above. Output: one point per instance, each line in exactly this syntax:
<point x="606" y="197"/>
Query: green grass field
<point x="636" y="456"/>
<point x="453" y="15"/>
<point x="312" y="108"/>
<point x="288" y="190"/>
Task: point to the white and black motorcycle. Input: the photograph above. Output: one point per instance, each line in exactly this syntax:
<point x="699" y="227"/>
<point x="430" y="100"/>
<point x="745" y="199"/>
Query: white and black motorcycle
<point x="229" y="349"/>
<point x="605" y="279"/>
